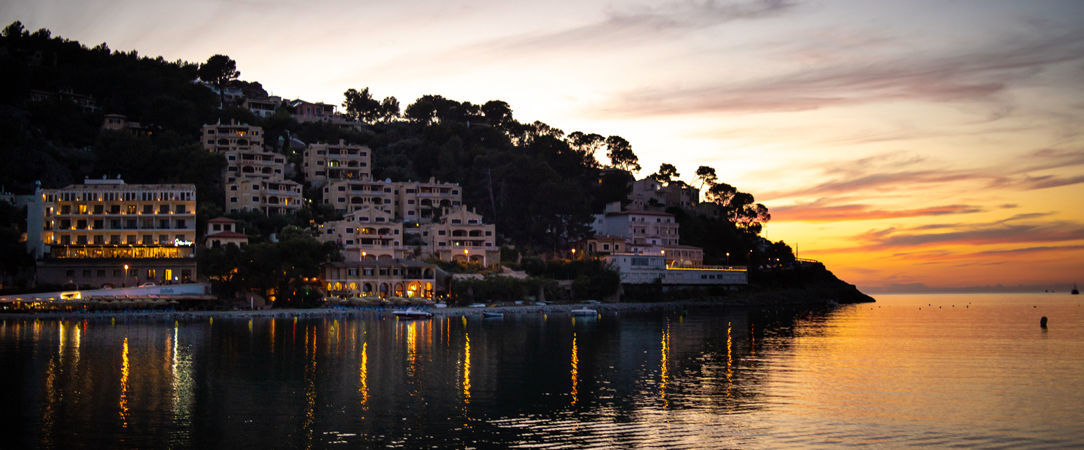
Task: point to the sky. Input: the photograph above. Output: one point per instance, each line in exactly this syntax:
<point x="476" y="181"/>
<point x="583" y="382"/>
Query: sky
<point x="910" y="145"/>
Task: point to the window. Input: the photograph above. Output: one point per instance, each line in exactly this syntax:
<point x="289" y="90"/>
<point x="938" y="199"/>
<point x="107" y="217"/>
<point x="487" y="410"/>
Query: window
<point x="216" y="227"/>
<point x="114" y="209"/>
<point x="131" y="209"/>
<point x="163" y="209"/>
<point x="114" y="239"/>
<point x="81" y="224"/>
<point x="81" y="240"/>
<point x="181" y="209"/>
<point x="99" y="209"/>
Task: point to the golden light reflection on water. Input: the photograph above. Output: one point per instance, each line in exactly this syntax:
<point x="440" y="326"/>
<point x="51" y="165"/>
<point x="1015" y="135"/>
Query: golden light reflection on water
<point x="575" y="370"/>
<point x="310" y="391"/>
<point x="181" y="381"/>
<point x="77" y="338"/>
<point x="412" y="346"/>
<point x="123" y="403"/>
<point x="363" y="375"/>
<point x="466" y="368"/>
<point x="664" y="363"/>
<point x="729" y="360"/>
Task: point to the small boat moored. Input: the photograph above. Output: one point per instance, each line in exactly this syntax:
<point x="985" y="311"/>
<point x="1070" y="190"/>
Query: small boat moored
<point x="411" y="313"/>
<point x="492" y="315"/>
<point x="584" y="312"/>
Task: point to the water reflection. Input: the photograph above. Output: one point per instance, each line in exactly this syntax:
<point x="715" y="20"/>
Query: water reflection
<point x="575" y="371"/>
<point x="123" y="403"/>
<point x="628" y="381"/>
<point x="466" y="367"/>
<point x="664" y="363"/>
<point x="363" y="375"/>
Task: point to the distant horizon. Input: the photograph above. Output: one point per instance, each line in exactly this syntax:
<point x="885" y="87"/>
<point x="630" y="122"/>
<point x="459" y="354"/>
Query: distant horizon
<point x="903" y="150"/>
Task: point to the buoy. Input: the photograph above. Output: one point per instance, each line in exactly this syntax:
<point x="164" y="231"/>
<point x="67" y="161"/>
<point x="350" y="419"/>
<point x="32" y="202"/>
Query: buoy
<point x="1042" y="322"/>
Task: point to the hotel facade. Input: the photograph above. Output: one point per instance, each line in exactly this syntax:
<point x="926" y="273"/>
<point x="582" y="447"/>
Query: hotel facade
<point x="106" y="232"/>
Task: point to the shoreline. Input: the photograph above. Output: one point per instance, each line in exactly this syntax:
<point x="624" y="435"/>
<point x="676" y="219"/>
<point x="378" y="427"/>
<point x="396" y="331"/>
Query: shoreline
<point x="750" y="299"/>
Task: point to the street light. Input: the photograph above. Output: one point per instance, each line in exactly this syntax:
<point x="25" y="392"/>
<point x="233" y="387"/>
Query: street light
<point x="573" y="253"/>
<point x="728" y="258"/>
<point x="126" y="275"/>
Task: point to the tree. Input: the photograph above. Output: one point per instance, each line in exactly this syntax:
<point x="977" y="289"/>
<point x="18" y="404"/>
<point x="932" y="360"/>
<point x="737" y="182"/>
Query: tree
<point x="497" y="113"/>
<point x="389" y="109"/>
<point x="620" y="153"/>
<point x="738" y="207"/>
<point x="706" y="175"/>
<point x="14" y="31"/>
<point x="361" y="105"/>
<point x="667" y="172"/>
<point x="219" y="70"/>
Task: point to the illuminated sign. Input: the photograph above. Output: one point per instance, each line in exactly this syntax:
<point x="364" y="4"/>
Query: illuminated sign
<point x="182" y="243"/>
<point x="71" y="295"/>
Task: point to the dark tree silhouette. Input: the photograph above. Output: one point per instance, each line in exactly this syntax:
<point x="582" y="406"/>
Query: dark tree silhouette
<point x="666" y="174"/>
<point x="219" y="70"/>
<point x="620" y="153"/>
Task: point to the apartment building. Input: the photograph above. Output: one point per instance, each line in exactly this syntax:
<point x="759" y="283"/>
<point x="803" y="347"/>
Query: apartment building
<point x="422" y="201"/>
<point x="643" y="232"/>
<point x="337" y="162"/>
<point x="106" y="232"/>
<point x="220" y="138"/>
<point x="649" y="194"/>
<point x="269" y="197"/>
<point x="460" y="235"/>
<point x="410" y="201"/>
<point x="351" y="195"/>
<point x="254" y="178"/>
<point x="369" y="233"/>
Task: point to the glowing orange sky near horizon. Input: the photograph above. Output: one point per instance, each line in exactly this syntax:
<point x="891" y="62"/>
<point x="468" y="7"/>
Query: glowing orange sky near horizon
<point x="918" y="143"/>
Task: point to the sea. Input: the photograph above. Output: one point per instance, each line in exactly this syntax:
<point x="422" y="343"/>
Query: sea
<point x="970" y="370"/>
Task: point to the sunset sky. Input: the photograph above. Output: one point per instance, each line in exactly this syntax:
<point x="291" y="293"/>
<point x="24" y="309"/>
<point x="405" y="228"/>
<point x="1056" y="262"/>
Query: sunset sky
<point x="906" y="144"/>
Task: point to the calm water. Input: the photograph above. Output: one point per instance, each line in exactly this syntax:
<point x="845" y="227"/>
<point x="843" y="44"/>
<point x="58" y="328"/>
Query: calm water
<point x="910" y="370"/>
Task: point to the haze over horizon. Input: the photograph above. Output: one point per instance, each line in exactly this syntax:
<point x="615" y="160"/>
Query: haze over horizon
<point x="909" y="145"/>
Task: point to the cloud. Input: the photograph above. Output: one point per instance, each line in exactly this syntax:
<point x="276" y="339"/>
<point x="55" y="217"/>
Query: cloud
<point x="617" y="28"/>
<point x="974" y="234"/>
<point x="1029" y="250"/>
<point x="820" y="212"/>
<point x="967" y="75"/>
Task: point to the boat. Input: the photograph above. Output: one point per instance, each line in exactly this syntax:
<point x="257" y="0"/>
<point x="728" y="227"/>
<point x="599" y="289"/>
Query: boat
<point x="411" y="313"/>
<point x="1075" y="291"/>
<point x="584" y="312"/>
<point x="492" y="315"/>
